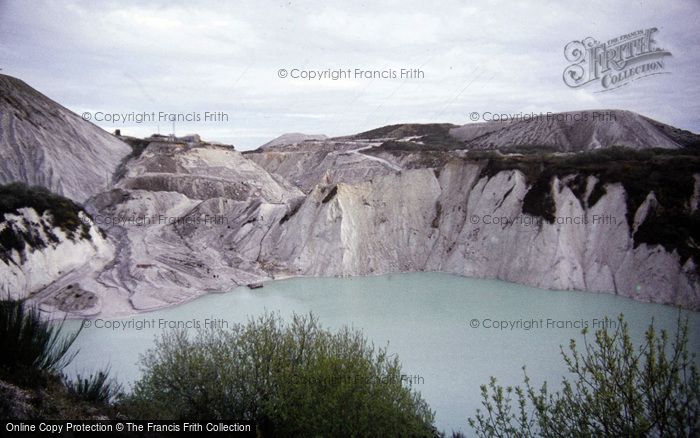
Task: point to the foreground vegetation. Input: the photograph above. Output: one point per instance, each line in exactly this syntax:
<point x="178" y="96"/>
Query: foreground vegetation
<point x="294" y="379"/>
<point x="32" y="386"/>
<point x="30" y="345"/>
<point x="616" y="390"/>
<point x="298" y="379"/>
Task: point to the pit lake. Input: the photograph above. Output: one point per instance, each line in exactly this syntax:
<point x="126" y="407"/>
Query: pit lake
<point x="450" y="333"/>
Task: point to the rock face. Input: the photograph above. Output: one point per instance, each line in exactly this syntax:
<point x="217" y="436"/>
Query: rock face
<point x="203" y="171"/>
<point x="43" y="143"/>
<point x="48" y="254"/>
<point x="462" y="223"/>
<point x="378" y="204"/>
<point x="184" y="217"/>
<point x="323" y="162"/>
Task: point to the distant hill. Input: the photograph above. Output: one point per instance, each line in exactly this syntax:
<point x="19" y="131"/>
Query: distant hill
<point x="576" y="131"/>
<point x="292" y="138"/>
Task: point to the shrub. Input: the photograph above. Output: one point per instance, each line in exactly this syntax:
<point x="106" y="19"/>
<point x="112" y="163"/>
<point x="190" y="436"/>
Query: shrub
<point x="293" y="379"/>
<point x="30" y="344"/>
<point x="616" y="391"/>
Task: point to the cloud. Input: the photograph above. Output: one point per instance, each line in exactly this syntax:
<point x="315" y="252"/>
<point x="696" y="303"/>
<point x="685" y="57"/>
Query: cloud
<point x="177" y="56"/>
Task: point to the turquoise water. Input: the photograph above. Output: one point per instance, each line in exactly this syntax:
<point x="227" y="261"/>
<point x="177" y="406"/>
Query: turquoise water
<point x="445" y="329"/>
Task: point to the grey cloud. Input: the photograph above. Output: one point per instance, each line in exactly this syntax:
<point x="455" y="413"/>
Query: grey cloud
<point x="213" y="56"/>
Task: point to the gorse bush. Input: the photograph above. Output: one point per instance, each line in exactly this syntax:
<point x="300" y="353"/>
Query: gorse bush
<point x="97" y="387"/>
<point x="616" y="391"/>
<point x="29" y="344"/>
<point x="293" y="379"/>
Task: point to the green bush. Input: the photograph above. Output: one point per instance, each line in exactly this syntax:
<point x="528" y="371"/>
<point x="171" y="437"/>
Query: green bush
<point x="293" y="379"/>
<point x="616" y="390"/>
<point x="29" y="344"/>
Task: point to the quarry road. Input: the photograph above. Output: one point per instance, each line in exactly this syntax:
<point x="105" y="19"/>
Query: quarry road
<point x="371" y="157"/>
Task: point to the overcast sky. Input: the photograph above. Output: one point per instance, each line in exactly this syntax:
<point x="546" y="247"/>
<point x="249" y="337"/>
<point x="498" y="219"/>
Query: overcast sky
<point x="476" y="56"/>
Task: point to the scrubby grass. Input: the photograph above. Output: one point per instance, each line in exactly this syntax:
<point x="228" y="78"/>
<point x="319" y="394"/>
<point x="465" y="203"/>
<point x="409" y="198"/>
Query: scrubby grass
<point x="33" y="352"/>
<point x="31" y="345"/>
<point x="96" y="388"/>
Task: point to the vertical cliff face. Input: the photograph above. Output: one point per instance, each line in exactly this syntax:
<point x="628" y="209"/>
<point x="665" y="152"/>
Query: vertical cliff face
<point x="36" y="268"/>
<point x="465" y="223"/>
<point x="555" y="205"/>
<point x="44" y="237"/>
<point x="43" y="143"/>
